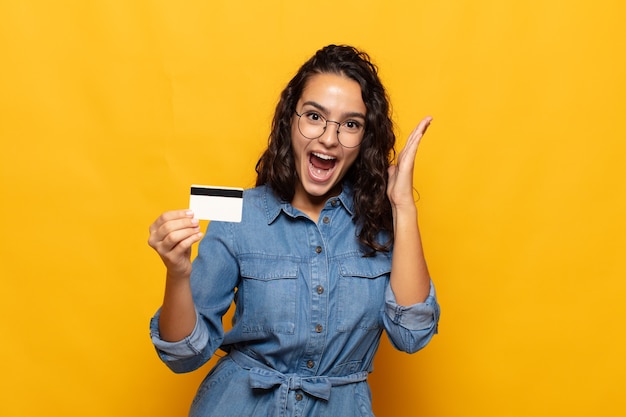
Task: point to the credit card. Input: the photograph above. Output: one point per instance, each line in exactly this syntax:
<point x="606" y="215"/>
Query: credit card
<point x="216" y="203"/>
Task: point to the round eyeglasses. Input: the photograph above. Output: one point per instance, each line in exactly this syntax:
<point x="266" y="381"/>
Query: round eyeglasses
<point x="312" y="125"/>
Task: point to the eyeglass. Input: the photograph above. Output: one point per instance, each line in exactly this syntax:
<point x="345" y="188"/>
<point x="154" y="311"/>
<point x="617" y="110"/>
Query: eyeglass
<point x="312" y="125"/>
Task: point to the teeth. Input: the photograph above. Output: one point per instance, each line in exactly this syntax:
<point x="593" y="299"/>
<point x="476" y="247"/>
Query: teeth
<point x="322" y="156"/>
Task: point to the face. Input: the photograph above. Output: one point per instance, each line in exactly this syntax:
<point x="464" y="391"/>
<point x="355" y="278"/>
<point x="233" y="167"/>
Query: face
<point x="322" y="163"/>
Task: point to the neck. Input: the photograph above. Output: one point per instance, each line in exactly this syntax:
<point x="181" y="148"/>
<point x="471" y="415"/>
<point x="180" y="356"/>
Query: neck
<point x="312" y="205"/>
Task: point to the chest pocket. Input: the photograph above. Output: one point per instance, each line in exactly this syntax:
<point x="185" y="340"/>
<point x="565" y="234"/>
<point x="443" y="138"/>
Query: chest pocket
<point x="269" y="292"/>
<point x="361" y="292"/>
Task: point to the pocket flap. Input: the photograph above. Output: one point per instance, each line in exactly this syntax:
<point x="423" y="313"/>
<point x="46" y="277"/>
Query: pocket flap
<point x="365" y="267"/>
<point x="266" y="269"/>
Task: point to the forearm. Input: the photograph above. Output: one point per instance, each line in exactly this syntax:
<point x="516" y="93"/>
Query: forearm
<point x="410" y="280"/>
<point x="178" y="314"/>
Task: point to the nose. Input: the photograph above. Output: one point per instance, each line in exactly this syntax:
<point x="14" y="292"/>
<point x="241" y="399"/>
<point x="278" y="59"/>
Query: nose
<point x="330" y="137"/>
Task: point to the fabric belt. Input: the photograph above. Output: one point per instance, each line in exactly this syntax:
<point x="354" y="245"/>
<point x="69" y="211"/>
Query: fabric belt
<point x="265" y="377"/>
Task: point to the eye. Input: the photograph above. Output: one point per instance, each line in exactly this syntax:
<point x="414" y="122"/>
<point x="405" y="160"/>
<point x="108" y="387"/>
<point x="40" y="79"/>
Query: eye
<point x="313" y="117"/>
<point x="352" y="125"/>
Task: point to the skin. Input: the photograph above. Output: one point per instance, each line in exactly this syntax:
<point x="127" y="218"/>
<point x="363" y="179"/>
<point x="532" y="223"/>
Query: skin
<point x="172" y="236"/>
<point x="174" y="232"/>
<point x="410" y="279"/>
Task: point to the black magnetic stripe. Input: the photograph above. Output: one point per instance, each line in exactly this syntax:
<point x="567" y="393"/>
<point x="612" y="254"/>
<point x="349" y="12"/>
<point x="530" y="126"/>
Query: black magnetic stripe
<point x="216" y="192"/>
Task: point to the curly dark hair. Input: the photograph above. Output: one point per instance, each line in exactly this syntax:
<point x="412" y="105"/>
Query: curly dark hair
<point x="368" y="174"/>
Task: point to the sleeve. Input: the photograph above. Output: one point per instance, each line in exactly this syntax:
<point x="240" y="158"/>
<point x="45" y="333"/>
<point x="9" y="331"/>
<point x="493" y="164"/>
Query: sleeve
<point x="410" y="328"/>
<point x="214" y="277"/>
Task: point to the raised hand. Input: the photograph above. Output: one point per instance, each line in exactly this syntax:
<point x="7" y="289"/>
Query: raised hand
<point x="400" y="184"/>
<point x="410" y="280"/>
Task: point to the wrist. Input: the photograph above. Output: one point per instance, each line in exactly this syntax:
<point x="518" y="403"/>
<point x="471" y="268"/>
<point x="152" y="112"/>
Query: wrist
<point x="404" y="210"/>
<point x="177" y="276"/>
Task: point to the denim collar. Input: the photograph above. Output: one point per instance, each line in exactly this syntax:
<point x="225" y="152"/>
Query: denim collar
<point x="274" y="205"/>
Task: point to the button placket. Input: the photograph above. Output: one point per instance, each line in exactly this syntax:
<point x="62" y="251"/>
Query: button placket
<point x="319" y="299"/>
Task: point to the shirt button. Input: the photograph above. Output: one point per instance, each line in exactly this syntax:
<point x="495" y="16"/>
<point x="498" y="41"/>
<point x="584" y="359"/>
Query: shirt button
<point x="318" y="249"/>
<point x="298" y="397"/>
<point x="310" y="364"/>
<point x="319" y="328"/>
<point x="326" y="220"/>
<point x="333" y="203"/>
<point x="320" y="289"/>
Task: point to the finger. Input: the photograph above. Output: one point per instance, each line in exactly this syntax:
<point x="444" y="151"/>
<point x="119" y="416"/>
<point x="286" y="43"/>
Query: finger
<point x="171" y="242"/>
<point x="410" y="148"/>
<point x="173" y="220"/>
<point x="178" y="259"/>
<point x="170" y="215"/>
<point x="419" y="131"/>
<point x="168" y="230"/>
<point x="184" y="242"/>
<point x="423" y="125"/>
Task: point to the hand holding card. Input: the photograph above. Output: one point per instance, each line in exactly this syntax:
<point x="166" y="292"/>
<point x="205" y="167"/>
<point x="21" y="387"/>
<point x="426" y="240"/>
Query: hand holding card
<point x="216" y="203"/>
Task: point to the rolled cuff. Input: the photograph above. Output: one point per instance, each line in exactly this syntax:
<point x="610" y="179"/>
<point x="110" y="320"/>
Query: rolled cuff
<point x="418" y="316"/>
<point x="191" y="345"/>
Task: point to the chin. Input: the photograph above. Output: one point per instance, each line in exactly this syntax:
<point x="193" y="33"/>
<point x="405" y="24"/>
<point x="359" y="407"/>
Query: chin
<point x="322" y="190"/>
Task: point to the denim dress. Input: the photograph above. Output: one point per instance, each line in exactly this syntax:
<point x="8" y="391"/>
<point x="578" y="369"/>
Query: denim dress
<point x="310" y="310"/>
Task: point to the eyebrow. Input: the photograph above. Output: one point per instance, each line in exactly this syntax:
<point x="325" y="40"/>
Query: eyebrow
<point x="325" y="110"/>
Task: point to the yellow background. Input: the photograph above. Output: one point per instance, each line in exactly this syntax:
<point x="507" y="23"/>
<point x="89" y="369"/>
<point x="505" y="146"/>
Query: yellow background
<point x="110" y="109"/>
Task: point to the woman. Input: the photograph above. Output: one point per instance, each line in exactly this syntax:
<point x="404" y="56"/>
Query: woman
<point x="328" y="255"/>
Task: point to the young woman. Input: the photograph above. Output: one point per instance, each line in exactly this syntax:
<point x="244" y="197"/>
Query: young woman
<point x="327" y="256"/>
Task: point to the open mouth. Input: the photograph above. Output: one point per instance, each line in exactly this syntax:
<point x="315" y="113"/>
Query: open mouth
<point x="321" y="166"/>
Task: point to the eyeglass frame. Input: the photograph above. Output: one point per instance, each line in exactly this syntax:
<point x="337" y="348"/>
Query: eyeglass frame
<point x="324" y="130"/>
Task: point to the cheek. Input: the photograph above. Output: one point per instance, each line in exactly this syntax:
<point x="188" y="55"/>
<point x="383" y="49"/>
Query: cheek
<point x="298" y="143"/>
<point x="293" y="139"/>
<point x="351" y="158"/>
